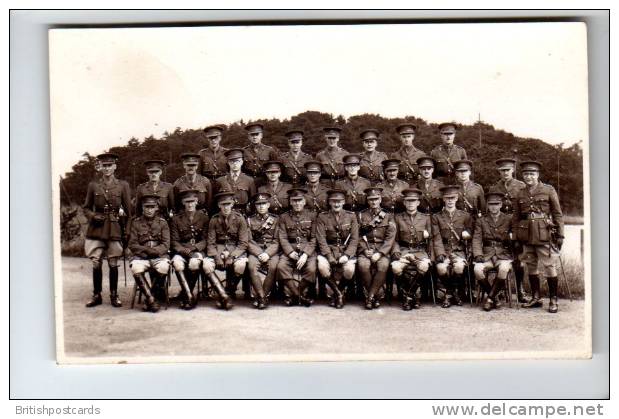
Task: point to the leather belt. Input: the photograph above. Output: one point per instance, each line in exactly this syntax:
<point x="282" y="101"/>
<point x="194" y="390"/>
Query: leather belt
<point x="535" y="216"/>
<point x="493" y="243"/>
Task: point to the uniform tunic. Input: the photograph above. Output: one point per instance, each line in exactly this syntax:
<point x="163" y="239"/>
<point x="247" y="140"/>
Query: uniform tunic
<point x="408" y="162"/>
<point x="200" y="183"/>
<point x="392" y="194"/>
<point x="189" y="236"/>
<point x="355" y="197"/>
<point x="535" y="209"/>
<point x="151" y="233"/>
<point x="254" y="156"/>
<point x="491" y="238"/>
<point x="316" y="197"/>
<point x="445" y="157"/>
<point x="332" y="166"/>
<point x="263" y="235"/>
<point x="294" y="166"/>
<point x="431" y="199"/>
<point x="337" y="235"/>
<point x="164" y="190"/>
<point x="213" y="164"/>
<point x="244" y="188"/>
<point x="444" y="225"/>
<point x="372" y="166"/>
<point x="471" y="199"/>
<point x="510" y="189"/>
<point x="231" y="234"/>
<point x="297" y="233"/>
<point x="409" y="234"/>
<point x="375" y="232"/>
<point x="279" y="196"/>
<point x="106" y="199"/>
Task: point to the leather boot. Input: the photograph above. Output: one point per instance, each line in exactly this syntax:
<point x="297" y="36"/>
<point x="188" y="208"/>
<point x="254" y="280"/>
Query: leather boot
<point x="304" y="298"/>
<point x="448" y="291"/>
<point x="523" y="297"/>
<point x="553" y="285"/>
<point x="339" y="298"/>
<point x="114" y="299"/>
<point x="188" y="300"/>
<point x="224" y="299"/>
<point x="458" y="289"/>
<point x="97" y="282"/>
<point x="151" y="303"/>
<point x="535" y="298"/>
<point x="497" y="287"/>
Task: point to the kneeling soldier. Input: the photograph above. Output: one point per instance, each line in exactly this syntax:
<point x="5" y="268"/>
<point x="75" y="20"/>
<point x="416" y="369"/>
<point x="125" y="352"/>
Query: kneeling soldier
<point x="377" y="234"/>
<point x="188" y="234"/>
<point x="149" y="241"/>
<point x="411" y="248"/>
<point x="228" y="238"/>
<point x="263" y="250"/>
<point x="297" y="263"/>
<point x="337" y="235"/>
<point x="450" y="229"/>
<point x="491" y="243"/>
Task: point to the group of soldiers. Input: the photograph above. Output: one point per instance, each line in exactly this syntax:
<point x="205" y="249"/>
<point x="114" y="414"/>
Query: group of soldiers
<point x="338" y="225"/>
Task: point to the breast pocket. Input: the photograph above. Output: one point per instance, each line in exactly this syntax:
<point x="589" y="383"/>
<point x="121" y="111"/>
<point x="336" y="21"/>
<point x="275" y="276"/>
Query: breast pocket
<point x="541" y="201"/>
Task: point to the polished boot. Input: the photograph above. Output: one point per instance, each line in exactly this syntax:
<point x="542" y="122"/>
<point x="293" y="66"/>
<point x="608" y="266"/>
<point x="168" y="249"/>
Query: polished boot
<point x="224" y="299"/>
<point x="114" y="299"/>
<point x="448" y="291"/>
<point x="523" y="297"/>
<point x="97" y="282"/>
<point x="151" y="302"/>
<point x="535" y="298"/>
<point x="304" y="297"/>
<point x="553" y="285"/>
<point x="188" y="300"/>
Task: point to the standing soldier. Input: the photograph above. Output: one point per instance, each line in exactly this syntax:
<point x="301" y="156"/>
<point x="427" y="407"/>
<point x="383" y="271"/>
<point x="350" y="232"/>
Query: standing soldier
<point x="154" y="186"/>
<point x="410" y="250"/>
<point x="377" y="235"/>
<point x="191" y="180"/>
<point x="431" y="198"/>
<point x="188" y="233"/>
<point x="471" y="198"/>
<point x="353" y="184"/>
<point x="297" y="238"/>
<point x="213" y="157"/>
<point x="408" y="153"/>
<point x="392" y="187"/>
<point x="277" y="191"/>
<point x="316" y="196"/>
<point x="107" y="201"/>
<point x="337" y="235"/>
<point x="371" y="160"/>
<point x="447" y="153"/>
<point x="149" y="242"/>
<point x="263" y="250"/>
<point x="234" y="181"/>
<point x="295" y="158"/>
<point x="491" y="241"/>
<point x="227" y="241"/>
<point x="256" y="154"/>
<point x="538" y="223"/>
<point x="331" y="157"/>
<point x="450" y="230"/>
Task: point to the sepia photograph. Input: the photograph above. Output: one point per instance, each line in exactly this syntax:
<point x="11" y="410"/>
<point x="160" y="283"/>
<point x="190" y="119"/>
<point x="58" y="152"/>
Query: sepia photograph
<point x="323" y="192"/>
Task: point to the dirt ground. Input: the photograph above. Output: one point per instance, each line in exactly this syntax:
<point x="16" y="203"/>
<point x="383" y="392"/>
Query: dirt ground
<point x="319" y="332"/>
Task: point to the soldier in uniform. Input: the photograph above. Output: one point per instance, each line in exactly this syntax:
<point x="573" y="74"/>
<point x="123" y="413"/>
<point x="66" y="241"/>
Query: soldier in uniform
<point x="297" y="237"/>
<point x="295" y="159"/>
<point x="263" y="250"/>
<point x="256" y="154"/>
<point x="491" y="242"/>
<point x="451" y="228"/>
<point x="316" y="196"/>
<point x="235" y="181"/>
<point x="447" y="152"/>
<point x="377" y="235"/>
<point x="337" y="235"/>
<point x="431" y="198"/>
<point x="353" y="184"/>
<point x="227" y="242"/>
<point x="154" y="186"/>
<point x="213" y="158"/>
<point x="410" y="250"/>
<point x="191" y="180"/>
<point x="277" y="191"/>
<point x="538" y="223"/>
<point x="331" y="157"/>
<point x="149" y="242"/>
<point x="392" y="187"/>
<point x="408" y="153"/>
<point x="108" y="200"/>
<point x="371" y="160"/>
<point x="471" y="197"/>
<point x="188" y="233"/>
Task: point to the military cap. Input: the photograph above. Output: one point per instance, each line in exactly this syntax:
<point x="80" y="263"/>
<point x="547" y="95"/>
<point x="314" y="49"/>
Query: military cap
<point x="505" y="163"/>
<point x="189" y="195"/>
<point x="154" y="165"/>
<point x="351" y="159"/>
<point x="494" y="197"/>
<point x="190" y="158"/>
<point x="273" y="166"/>
<point x="313" y="166"/>
<point x="261" y="198"/>
<point x="390" y="164"/>
<point x="448" y="127"/>
<point x="225" y="197"/>
<point x="426" y="161"/>
<point x="335" y="131"/>
<point x="462" y="165"/>
<point x="406" y="128"/>
<point x="213" y="130"/>
<point x="369" y="134"/>
<point x="295" y="194"/>
<point x="530" y="166"/>
<point x="107" y="157"/>
<point x="294" y="135"/>
<point x="374" y="192"/>
<point x="150" y="200"/>
<point x="449" y="190"/>
<point x="336" y="194"/>
<point x="254" y="127"/>
<point x="411" y="194"/>
<point x="234" y="153"/>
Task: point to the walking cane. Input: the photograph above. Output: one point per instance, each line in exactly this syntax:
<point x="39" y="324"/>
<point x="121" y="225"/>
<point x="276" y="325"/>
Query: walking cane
<point x="567" y="284"/>
<point x="468" y="272"/>
<point x="428" y="250"/>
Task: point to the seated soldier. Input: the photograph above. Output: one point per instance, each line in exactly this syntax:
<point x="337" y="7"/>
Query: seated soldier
<point x="149" y="241"/>
<point x="377" y="234"/>
<point x="337" y="235"/>
<point x="228" y="238"/>
<point x="297" y="263"/>
<point x="450" y="230"/>
<point x="411" y="248"/>
<point x="188" y="232"/>
<point x="277" y="191"/>
<point x="263" y="250"/>
<point x="490" y="248"/>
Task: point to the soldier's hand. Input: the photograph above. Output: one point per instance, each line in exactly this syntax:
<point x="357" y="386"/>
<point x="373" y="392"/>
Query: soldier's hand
<point x="479" y="259"/>
<point x="228" y="262"/>
<point x="375" y="257"/>
<point x="302" y="260"/>
<point x="466" y="235"/>
<point x="343" y="259"/>
<point x="185" y="252"/>
<point x="219" y="264"/>
<point x="396" y="256"/>
<point x="368" y="253"/>
<point x="263" y="257"/>
<point x="559" y="242"/>
<point x="152" y="252"/>
<point x="441" y="258"/>
<point x="98" y="218"/>
<point x="294" y="256"/>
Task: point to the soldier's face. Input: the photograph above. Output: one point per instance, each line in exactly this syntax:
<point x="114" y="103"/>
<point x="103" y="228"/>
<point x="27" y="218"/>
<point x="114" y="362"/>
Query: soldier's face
<point x="235" y="164"/>
<point x="369" y="145"/>
<point x="392" y="174"/>
<point x="450" y="201"/>
<point x="213" y="141"/>
<point x="506" y="174"/>
<point x="107" y="169"/>
<point x="463" y="175"/>
<point x="374" y="203"/>
<point x="295" y="146"/>
<point x="190" y="168"/>
<point x="149" y="210"/>
<point x="407" y="139"/>
<point x="313" y="177"/>
<point x="273" y="175"/>
<point x="530" y="177"/>
<point x="297" y="204"/>
<point x="332" y="140"/>
<point x="352" y="169"/>
<point x="190" y="205"/>
<point x="225" y="208"/>
<point x="494" y="208"/>
<point x="426" y="172"/>
<point x="336" y="204"/>
<point x="255" y="137"/>
<point x="154" y="175"/>
<point x="262" y="207"/>
<point x="411" y="205"/>
<point x="448" y="137"/>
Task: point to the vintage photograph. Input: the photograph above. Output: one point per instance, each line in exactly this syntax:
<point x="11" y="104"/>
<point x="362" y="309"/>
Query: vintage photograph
<point x="321" y="192"/>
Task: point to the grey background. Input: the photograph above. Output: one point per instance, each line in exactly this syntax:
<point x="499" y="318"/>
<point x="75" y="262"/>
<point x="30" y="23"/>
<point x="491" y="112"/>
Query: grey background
<point x="33" y="371"/>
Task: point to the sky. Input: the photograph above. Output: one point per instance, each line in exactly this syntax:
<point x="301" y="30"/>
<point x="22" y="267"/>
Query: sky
<point x="108" y="85"/>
